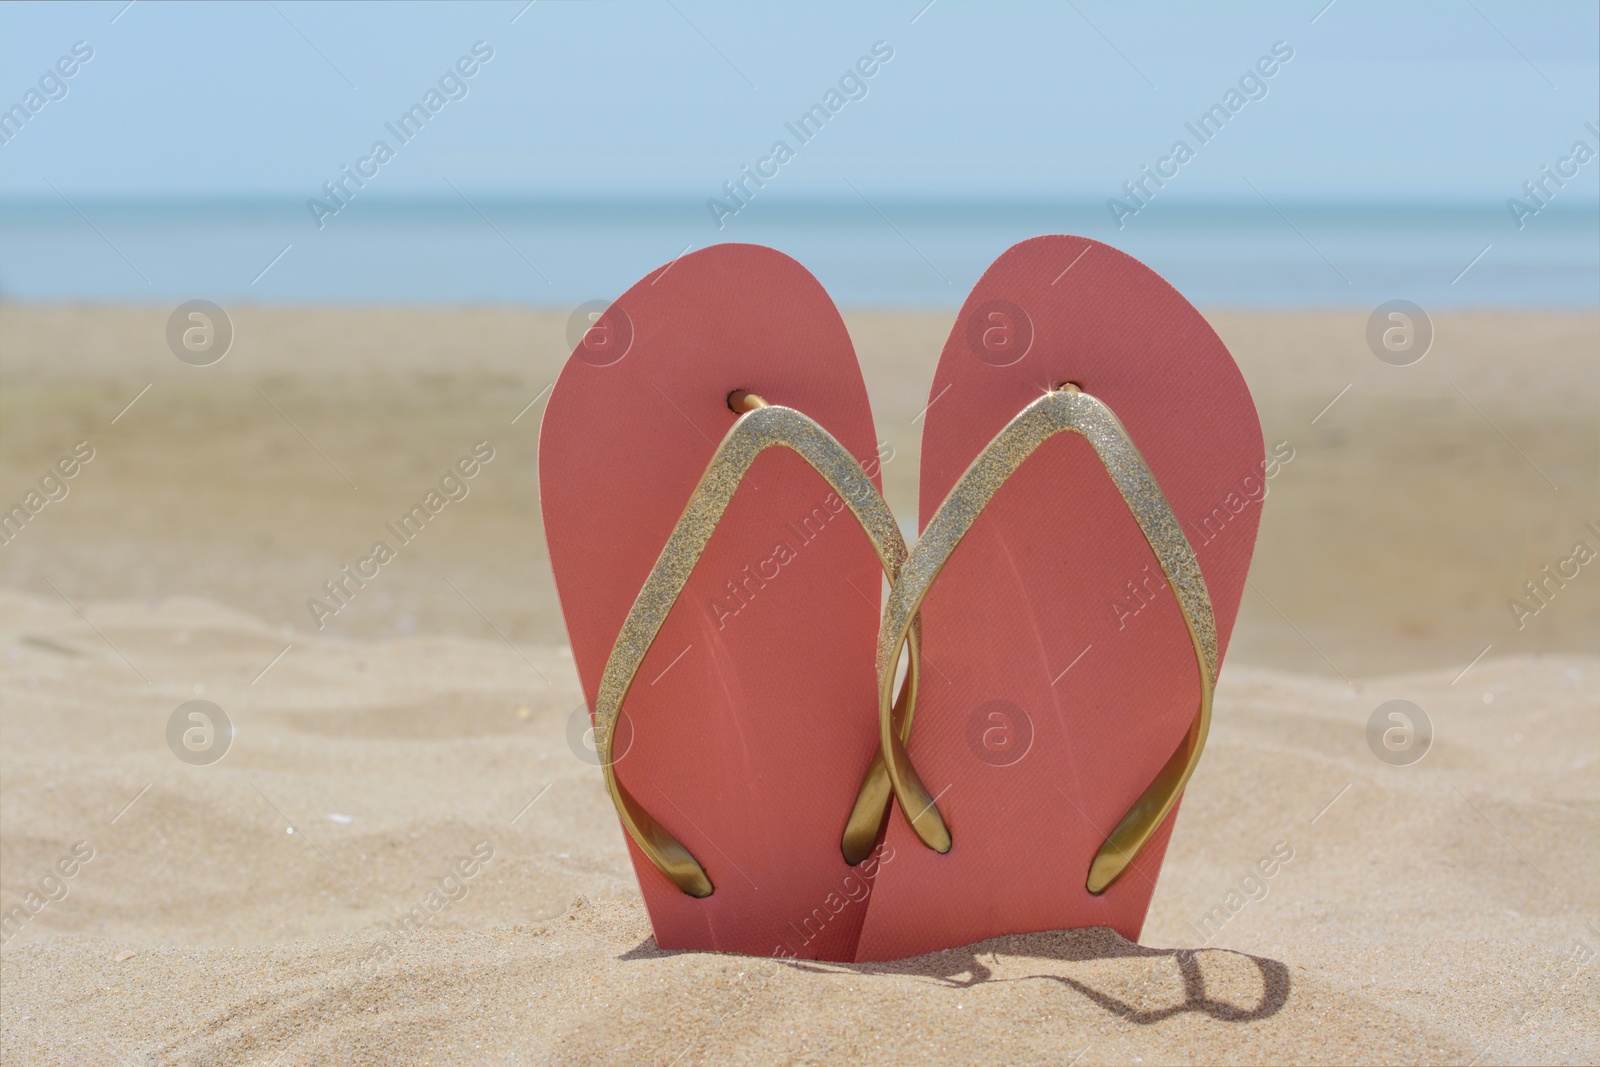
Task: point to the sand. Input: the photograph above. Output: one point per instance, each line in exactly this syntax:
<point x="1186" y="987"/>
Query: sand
<point x="1445" y="911"/>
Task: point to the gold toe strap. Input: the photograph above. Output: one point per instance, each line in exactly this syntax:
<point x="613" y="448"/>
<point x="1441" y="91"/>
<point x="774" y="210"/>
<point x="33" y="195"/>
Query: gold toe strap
<point x="872" y="802"/>
<point x="760" y="428"/>
<point x="1062" y="411"/>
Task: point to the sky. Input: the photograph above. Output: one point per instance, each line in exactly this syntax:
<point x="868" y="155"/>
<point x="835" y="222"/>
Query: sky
<point x="1456" y="102"/>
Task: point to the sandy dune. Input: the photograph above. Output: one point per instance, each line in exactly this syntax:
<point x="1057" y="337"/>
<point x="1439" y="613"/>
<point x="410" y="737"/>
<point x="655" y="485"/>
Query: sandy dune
<point x="1445" y="911"/>
<point x="1404" y="928"/>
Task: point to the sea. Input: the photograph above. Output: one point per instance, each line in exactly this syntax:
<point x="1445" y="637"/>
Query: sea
<point x="495" y="250"/>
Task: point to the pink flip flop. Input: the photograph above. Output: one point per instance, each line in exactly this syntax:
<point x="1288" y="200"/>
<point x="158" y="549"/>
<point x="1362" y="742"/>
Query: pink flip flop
<point x="722" y="595"/>
<point x="1074" y="619"/>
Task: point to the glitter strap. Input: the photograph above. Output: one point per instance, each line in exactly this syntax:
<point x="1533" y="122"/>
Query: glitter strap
<point x="758" y="429"/>
<point x="1063" y="410"/>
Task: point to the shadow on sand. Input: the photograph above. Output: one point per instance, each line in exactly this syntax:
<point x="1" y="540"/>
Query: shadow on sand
<point x="965" y="968"/>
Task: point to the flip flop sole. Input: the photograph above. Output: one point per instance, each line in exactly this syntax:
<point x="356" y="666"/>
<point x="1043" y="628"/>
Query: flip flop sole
<point x="1058" y="673"/>
<point x="751" y="720"/>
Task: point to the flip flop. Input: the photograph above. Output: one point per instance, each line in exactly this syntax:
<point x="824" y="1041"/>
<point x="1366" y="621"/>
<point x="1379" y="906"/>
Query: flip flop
<point x="717" y="549"/>
<point x="1091" y="462"/>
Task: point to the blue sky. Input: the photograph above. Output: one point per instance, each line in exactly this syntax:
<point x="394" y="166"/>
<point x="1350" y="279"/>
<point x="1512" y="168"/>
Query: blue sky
<point x="1459" y="101"/>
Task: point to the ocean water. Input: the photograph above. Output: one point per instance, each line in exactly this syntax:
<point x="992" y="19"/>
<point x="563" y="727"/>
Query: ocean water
<point x="560" y="253"/>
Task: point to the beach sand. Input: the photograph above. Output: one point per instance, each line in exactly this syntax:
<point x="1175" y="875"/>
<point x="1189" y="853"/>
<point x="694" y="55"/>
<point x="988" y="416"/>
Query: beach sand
<point x="1446" y="911"/>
